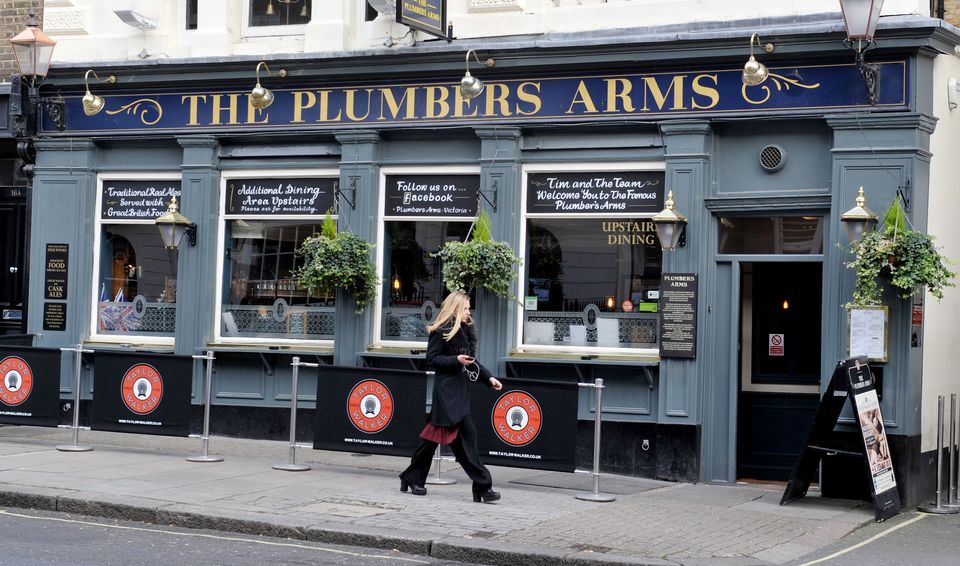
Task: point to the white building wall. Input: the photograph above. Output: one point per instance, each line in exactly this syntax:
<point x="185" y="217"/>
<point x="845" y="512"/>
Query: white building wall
<point x="940" y="373"/>
<point x="88" y="30"/>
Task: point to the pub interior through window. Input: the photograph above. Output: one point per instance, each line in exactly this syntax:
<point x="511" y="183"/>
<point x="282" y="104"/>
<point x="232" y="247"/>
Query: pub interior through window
<point x="421" y="213"/>
<point x="265" y="221"/>
<point x="593" y="261"/>
<point x="136" y="276"/>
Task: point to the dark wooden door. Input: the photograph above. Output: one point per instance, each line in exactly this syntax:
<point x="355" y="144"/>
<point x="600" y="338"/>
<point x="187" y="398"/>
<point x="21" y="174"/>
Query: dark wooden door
<point x="12" y="230"/>
<point x="780" y="365"/>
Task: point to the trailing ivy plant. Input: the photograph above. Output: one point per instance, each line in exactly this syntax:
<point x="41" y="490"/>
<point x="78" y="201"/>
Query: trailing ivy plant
<point x="480" y="263"/>
<point x="338" y="260"/>
<point x="908" y="258"/>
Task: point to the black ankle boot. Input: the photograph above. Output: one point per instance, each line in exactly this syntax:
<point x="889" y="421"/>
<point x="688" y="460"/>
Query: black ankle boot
<point x="414" y="489"/>
<point x="488" y="496"/>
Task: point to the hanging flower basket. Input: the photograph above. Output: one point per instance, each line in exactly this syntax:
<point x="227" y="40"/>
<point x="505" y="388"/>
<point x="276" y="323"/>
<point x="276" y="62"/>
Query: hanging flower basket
<point x="480" y="263"/>
<point x="907" y="259"/>
<point x="338" y="260"/>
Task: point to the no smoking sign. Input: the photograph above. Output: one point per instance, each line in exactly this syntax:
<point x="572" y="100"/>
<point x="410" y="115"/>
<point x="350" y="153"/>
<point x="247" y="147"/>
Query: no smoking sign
<point x="775" y="346"/>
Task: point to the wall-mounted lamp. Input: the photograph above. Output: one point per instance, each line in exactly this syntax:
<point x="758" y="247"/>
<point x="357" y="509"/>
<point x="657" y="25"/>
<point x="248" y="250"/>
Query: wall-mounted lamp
<point x="670" y="225"/>
<point x="858" y="220"/>
<point x="611" y="302"/>
<point x="261" y="98"/>
<point x="860" y="17"/>
<point x="174" y="225"/>
<point x="470" y="86"/>
<point x="755" y="72"/>
<point x="93" y="104"/>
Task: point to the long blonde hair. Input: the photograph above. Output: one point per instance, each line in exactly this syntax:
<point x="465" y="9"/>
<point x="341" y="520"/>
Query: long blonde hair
<point x="451" y="309"/>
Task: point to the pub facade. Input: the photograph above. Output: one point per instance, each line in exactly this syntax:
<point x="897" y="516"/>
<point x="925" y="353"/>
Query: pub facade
<point x="713" y="355"/>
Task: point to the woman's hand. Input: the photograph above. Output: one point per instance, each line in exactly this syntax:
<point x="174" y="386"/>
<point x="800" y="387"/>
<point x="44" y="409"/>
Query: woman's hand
<point x="495" y="384"/>
<point x="465" y="359"/>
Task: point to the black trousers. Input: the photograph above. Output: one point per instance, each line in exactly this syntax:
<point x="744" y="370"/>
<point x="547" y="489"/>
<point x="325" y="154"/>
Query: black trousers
<point x="464" y="447"/>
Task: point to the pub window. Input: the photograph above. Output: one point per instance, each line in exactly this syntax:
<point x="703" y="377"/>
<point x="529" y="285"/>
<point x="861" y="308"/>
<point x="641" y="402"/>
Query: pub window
<point x="421" y="213"/>
<point x="266" y="219"/>
<point x="276" y="13"/>
<point x="136" y="286"/>
<point x="591" y="275"/>
<point x="771" y="235"/>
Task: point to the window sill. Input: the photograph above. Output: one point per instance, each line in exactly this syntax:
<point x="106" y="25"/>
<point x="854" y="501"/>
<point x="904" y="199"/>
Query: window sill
<point x="548" y="356"/>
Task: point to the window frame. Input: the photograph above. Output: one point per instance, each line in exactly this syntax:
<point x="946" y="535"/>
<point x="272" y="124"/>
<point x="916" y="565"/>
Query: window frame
<point x="578" y="167"/>
<point x="248" y="31"/>
<point x="137" y="339"/>
<point x="222" y="219"/>
<point x="375" y="339"/>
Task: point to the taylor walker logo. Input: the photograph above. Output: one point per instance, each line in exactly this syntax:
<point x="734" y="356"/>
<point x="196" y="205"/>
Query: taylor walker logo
<point x="17" y="381"/>
<point x="141" y="389"/>
<point x="517" y="418"/>
<point x="370" y="406"/>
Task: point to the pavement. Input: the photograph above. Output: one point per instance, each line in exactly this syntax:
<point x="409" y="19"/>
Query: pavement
<point x="355" y="500"/>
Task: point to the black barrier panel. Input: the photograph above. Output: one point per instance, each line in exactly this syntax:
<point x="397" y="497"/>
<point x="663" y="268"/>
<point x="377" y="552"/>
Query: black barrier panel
<point x="370" y="410"/>
<point x="141" y="393"/>
<point x="527" y="424"/>
<point x="30" y="386"/>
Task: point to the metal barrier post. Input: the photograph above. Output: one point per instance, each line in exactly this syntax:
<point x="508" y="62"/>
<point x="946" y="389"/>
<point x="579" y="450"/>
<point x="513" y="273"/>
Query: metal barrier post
<point x="596" y="495"/>
<point x="936" y="506"/>
<point x="77" y="366"/>
<point x="205" y="456"/>
<point x="291" y="465"/>
<point x="437" y="479"/>
<point x="951" y="485"/>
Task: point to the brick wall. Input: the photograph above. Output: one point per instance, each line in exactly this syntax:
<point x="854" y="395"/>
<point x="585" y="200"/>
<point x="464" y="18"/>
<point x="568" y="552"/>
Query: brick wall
<point x="951" y="12"/>
<point x="13" y="18"/>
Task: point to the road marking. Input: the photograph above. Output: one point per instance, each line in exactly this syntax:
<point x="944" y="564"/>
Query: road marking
<point x="216" y="537"/>
<point x="866" y="542"/>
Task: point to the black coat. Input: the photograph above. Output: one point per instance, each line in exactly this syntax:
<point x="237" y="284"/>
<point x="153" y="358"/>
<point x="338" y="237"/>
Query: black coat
<point x="451" y="386"/>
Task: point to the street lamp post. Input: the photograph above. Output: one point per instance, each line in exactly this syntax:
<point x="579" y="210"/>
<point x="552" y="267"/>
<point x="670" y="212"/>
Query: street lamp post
<point x="33" y="50"/>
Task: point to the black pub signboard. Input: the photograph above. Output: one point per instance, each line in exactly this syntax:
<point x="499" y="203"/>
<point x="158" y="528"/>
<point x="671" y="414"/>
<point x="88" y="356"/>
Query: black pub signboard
<point x="619" y="192"/>
<point x="678" y="315"/>
<point x="428" y="16"/>
<point x="55" y="272"/>
<point x="136" y="200"/>
<point x="431" y="195"/>
<point x="280" y="196"/>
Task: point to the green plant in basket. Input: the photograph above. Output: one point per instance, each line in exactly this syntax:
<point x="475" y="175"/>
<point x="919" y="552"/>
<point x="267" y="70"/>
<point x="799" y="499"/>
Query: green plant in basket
<point x="338" y="260"/>
<point x="480" y="263"/>
<point x="908" y="259"/>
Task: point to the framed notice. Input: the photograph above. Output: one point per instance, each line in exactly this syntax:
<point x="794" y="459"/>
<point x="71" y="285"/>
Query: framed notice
<point x="55" y="272"/>
<point x="867" y="329"/>
<point x="678" y="315"/>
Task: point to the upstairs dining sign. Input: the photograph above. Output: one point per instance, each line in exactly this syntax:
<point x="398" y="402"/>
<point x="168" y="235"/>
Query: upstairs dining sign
<point x="593" y="97"/>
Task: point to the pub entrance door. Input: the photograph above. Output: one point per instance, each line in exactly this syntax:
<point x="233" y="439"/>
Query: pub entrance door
<point x="780" y="330"/>
<point x="13" y="217"/>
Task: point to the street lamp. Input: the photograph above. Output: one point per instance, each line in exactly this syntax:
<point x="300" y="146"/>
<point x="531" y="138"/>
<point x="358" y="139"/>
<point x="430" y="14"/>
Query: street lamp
<point x="33" y="50"/>
<point x="174" y="225"/>
<point x="858" y="220"/>
<point x="860" y="17"/>
<point x="670" y="225"/>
